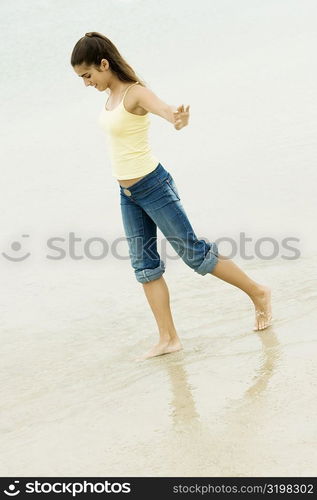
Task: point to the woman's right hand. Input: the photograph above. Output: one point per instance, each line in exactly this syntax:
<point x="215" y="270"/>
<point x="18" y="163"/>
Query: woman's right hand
<point x="181" y="117"/>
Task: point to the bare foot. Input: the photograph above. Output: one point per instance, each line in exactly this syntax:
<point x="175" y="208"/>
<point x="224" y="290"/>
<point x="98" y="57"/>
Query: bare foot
<point x="263" y="310"/>
<point x="162" y="348"/>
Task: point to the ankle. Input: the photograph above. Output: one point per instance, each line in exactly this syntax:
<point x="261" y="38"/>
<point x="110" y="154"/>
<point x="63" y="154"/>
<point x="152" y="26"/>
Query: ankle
<point x="256" y="290"/>
<point x="165" y="338"/>
<point x="174" y="338"/>
<point x="168" y="336"/>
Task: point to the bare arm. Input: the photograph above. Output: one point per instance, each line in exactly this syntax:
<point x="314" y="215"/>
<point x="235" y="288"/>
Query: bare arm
<point x="153" y="104"/>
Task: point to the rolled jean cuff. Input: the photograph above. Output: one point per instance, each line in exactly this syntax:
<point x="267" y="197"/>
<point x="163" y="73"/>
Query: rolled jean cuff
<point x="210" y="260"/>
<point x="147" y="275"/>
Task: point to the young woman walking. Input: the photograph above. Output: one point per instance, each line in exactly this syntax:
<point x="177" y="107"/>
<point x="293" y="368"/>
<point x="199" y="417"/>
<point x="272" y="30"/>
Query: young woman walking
<point x="149" y="197"/>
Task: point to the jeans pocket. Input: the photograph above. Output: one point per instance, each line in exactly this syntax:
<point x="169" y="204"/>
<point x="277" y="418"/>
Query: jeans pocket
<point x="171" y="183"/>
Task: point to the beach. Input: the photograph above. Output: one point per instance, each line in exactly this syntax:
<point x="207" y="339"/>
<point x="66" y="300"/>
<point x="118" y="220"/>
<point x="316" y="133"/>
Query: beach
<point x="233" y="402"/>
<point x="73" y="318"/>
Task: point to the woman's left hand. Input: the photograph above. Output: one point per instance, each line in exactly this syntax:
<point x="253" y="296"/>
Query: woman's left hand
<point x="181" y="117"/>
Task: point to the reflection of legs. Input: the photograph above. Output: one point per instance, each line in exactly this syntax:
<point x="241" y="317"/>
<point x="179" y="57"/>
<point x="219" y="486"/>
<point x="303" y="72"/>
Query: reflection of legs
<point x="260" y="295"/>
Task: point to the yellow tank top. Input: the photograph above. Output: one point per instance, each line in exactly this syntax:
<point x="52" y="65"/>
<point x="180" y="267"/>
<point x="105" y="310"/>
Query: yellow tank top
<point x="127" y="138"/>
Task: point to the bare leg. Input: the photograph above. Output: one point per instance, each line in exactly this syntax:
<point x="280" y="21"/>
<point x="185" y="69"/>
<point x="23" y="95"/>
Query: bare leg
<point x="260" y="295"/>
<point x="157" y="294"/>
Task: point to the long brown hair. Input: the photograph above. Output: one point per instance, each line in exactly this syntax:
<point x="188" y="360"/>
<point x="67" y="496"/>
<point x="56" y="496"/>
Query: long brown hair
<point x="91" y="48"/>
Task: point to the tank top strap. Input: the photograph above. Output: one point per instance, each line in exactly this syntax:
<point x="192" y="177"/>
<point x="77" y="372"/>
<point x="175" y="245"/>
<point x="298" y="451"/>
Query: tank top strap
<point x="126" y="90"/>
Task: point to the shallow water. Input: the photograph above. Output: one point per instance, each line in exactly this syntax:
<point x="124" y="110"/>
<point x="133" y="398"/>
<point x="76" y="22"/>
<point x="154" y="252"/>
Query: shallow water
<point x="234" y="402"/>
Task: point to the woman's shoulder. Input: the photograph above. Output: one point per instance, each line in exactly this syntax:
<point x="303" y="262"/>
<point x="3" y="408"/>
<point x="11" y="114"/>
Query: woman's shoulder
<point x="134" y="95"/>
<point x="141" y="93"/>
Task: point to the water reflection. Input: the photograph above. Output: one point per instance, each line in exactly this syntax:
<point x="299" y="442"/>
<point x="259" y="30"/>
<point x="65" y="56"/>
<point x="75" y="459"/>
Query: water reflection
<point x="184" y="410"/>
<point x="271" y="354"/>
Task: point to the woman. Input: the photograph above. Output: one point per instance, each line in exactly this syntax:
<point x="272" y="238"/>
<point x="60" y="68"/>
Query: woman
<point x="148" y="194"/>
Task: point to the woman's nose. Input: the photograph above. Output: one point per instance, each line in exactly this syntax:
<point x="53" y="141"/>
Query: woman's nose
<point x="87" y="83"/>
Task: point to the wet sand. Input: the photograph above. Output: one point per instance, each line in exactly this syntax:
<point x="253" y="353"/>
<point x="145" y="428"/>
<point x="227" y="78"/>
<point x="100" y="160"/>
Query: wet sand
<point x="233" y="403"/>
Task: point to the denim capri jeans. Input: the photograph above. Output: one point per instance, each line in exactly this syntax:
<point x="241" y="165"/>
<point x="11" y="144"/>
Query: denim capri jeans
<point x="154" y="202"/>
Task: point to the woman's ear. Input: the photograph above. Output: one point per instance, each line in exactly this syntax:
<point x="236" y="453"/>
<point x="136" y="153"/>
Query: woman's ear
<point x="104" y="64"/>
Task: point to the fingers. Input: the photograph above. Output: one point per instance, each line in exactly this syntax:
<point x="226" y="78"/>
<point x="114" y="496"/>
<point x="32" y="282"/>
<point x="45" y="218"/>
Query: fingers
<point x="182" y="109"/>
<point x="181" y="116"/>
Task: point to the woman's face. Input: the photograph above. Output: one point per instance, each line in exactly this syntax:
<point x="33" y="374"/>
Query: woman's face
<point x="92" y="77"/>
